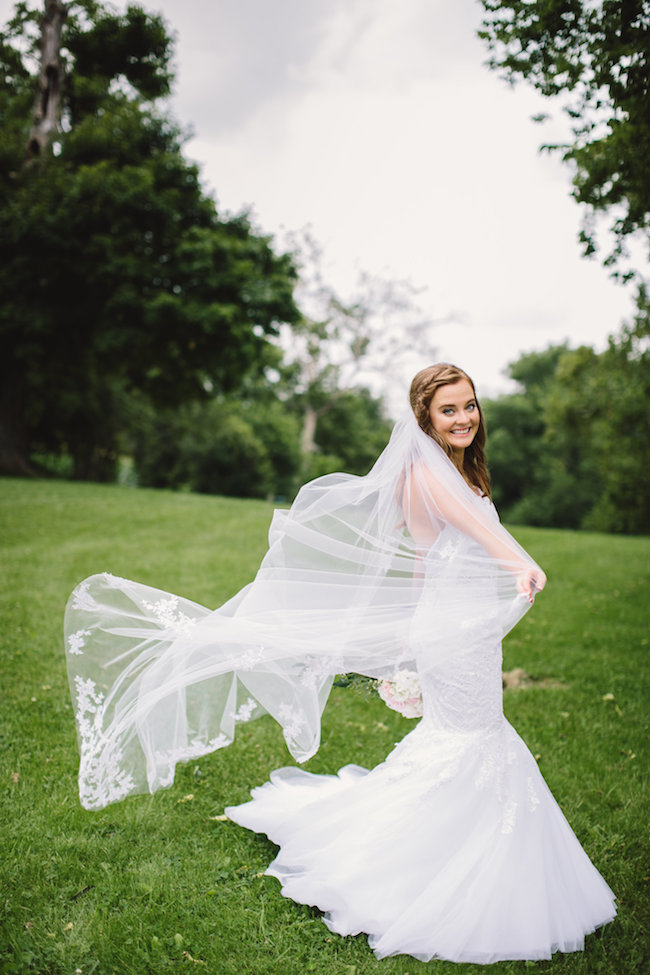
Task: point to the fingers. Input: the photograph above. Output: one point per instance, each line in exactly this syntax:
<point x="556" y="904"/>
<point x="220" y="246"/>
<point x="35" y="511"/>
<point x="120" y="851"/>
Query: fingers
<point x="531" y="582"/>
<point x="526" y="589"/>
<point x="537" y="584"/>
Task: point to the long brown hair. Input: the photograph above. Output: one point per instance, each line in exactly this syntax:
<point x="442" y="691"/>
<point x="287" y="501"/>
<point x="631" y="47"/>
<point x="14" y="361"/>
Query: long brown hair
<point x="423" y="388"/>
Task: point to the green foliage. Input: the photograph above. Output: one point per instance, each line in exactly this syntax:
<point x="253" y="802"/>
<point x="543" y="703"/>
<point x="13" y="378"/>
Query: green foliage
<point x="249" y="445"/>
<point x="615" y="399"/>
<point x="317" y="464"/>
<point x="104" y="46"/>
<point x="353" y="429"/>
<point x="222" y="446"/>
<point x="516" y="427"/>
<point x="234" y="462"/>
<point x="596" y="57"/>
<point x="279" y="429"/>
<point x="573" y="449"/>
<point x="116" y="271"/>
<point x="160" y="883"/>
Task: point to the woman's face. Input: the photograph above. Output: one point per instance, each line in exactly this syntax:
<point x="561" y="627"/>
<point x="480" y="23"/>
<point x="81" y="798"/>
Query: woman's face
<point x="455" y="415"/>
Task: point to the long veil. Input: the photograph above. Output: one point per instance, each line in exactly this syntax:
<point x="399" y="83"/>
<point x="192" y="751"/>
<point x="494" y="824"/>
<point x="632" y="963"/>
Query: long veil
<point x="157" y="679"/>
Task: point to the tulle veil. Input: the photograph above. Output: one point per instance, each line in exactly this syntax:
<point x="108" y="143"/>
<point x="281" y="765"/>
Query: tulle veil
<point x="157" y="679"/>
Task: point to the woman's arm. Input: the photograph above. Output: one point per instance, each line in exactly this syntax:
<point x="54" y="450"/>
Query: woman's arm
<point x="427" y="502"/>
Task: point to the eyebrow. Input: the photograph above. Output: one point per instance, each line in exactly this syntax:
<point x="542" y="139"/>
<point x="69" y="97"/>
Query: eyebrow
<point x="444" y="406"/>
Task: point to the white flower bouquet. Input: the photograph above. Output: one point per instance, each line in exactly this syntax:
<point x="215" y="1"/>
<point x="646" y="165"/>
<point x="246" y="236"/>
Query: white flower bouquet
<point x="402" y="692"/>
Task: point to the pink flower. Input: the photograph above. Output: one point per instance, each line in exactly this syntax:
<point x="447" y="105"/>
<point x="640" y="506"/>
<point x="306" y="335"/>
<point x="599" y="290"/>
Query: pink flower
<point x="402" y="692"/>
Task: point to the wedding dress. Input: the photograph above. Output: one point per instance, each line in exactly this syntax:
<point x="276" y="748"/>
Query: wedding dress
<point x="453" y="847"/>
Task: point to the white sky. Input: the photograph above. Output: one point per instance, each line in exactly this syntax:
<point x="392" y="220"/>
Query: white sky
<point x="377" y="124"/>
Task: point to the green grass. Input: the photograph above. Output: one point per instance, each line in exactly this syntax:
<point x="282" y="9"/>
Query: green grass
<point x="157" y="884"/>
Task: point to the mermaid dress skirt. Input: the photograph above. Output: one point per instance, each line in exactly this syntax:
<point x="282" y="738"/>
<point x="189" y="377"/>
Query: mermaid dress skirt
<point x="453" y="847"/>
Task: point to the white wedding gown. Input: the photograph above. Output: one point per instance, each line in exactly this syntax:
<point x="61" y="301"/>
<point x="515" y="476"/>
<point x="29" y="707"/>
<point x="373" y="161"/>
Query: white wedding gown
<point x="454" y="846"/>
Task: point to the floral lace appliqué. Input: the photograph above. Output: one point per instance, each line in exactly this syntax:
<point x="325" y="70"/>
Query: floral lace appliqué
<point x="76" y="641"/>
<point x="318" y="669"/>
<point x="250" y="658"/>
<point x="509" y="816"/>
<point x="245" y="711"/>
<point x="533" y="798"/>
<point x="101" y="780"/>
<point x="113" y="582"/>
<point x="447" y="550"/>
<point x="81" y="598"/>
<point x="292" y="722"/>
<point x="168" y="615"/>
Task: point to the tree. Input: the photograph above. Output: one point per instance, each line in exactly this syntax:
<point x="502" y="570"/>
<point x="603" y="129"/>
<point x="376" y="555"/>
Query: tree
<point x="340" y="346"/>
<point x="572" y="449"/>
<point x="565" y="480"/>
<point x="514" y="448"/>
<point x="521" y="462"/>
<point x="602" y="402"/>
<point x="595" y="56"/>
<point x="47" y="109"/>
<point x="226" y="445"/>
<point x="116" y="272"/>
<point x="352" y="432"/>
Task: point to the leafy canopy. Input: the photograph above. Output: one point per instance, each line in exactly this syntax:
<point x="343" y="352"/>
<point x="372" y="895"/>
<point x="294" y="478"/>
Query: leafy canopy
<point x="572" y="449"/>
<point x="595" y="57"/>
<point x="116" y="271"/>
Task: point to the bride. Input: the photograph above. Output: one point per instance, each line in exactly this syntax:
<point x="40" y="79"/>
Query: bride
<point x="453" y="847"/>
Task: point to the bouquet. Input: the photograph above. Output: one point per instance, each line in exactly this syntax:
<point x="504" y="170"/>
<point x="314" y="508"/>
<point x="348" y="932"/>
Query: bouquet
<point x="402" y="692"/>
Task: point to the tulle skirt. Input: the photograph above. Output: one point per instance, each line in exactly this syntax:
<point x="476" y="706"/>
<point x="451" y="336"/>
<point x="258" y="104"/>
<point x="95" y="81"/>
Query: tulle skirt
<point x="452" y="848"/>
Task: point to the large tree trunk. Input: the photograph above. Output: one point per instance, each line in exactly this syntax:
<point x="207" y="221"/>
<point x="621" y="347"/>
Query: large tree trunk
<point x="47" y="109"/>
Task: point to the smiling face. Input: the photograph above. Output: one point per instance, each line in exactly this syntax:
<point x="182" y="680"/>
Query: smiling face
<point x="455" y="415"/>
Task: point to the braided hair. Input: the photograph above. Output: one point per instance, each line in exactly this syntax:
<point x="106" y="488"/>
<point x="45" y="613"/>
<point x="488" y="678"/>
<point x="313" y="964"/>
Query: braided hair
<point x="423" y="388"/>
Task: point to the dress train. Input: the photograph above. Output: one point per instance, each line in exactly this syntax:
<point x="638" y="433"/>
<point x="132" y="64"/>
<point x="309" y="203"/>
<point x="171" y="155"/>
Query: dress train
<point x="453" y="847"/>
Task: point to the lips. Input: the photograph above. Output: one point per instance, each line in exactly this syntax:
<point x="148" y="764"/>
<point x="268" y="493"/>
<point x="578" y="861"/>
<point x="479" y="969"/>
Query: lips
<point x="463" y="432"/>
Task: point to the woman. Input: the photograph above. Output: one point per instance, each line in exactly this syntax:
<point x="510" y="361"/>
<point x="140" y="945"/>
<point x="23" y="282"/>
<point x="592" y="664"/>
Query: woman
<point x="453" y="847"/>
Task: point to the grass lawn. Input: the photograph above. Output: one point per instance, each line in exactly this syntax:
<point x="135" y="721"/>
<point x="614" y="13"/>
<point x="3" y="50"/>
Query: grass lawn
<point x="161" y="883"/>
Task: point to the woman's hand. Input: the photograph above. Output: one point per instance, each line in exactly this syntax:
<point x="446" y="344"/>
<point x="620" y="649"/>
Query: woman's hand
<point x="531" y="581"/>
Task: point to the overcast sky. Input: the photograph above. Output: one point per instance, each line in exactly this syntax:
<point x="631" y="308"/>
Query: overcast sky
<point x="377" y="124"/>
